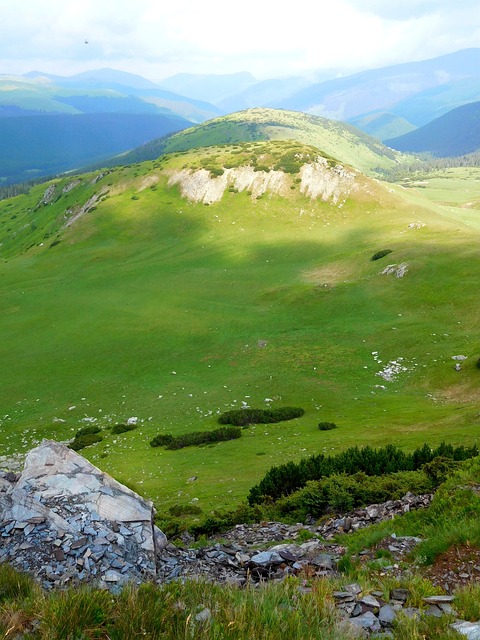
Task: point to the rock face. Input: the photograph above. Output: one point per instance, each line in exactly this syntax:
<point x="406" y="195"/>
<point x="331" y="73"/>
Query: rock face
<point x="65" y="520"/>
<point x="317" y="180"/>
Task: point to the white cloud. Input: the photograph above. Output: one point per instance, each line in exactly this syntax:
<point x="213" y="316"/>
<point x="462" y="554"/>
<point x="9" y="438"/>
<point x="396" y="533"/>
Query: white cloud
<point x="157" y="39"/>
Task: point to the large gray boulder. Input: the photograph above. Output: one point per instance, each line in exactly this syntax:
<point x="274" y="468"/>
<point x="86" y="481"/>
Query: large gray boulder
<point x="66" y="520"/>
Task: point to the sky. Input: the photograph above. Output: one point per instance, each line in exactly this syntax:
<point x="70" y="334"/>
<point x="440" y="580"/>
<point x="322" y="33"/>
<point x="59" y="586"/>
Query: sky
<point x="268" y="38"/>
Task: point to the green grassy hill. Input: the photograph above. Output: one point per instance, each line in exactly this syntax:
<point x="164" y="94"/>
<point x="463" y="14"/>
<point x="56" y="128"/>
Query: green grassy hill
<point x="339" y="140"/>
<point x="209" y="279"/>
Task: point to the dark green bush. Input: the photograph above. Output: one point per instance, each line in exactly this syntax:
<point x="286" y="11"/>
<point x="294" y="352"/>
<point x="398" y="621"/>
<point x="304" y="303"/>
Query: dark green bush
<point x="478" y="363"/>
<point x="326" y="426"/>
<point x="123" y="428"/>
<point x="287" y="478"/>
<point x="243" y="417"/>
<point x="81" y="442"/>
<point x="340" y="493"/>
<point x="215" y="172"/>
<point x="196" y="438"/>
<point x="162" y="440"/>
<point x="87" y="431"/>
<point x="380" y="254"/>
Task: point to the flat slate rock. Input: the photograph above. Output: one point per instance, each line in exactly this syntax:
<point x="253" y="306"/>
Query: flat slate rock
<point x="438" y="599"/>
<point x="367" y="621"/>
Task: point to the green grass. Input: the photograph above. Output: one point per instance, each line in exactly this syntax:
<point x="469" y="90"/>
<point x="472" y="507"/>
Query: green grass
<point x="336" y="139"/>
<point x="174" y="611"/>
<point x="158" y="308"/>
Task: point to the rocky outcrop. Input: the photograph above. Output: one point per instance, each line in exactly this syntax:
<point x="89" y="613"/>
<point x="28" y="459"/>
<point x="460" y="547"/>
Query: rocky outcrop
<point x="63" y="520"/>
<point x="72" y="215"/>
<point x="317" y="180"/>
<point x="246" y="552"/>
<point x="398" y="270"/>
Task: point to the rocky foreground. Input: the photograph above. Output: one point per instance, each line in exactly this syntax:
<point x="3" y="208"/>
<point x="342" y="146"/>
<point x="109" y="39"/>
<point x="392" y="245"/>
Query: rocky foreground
<point x="65" y="522"/>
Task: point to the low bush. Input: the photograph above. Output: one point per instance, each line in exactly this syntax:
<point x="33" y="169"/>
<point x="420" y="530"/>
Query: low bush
<point x="196" y="438"/>
<point x="123" y="428"/>
<point x="340" y="493"/>
<point x="380" y="254"/>
<point x="241" y="417"/>
<point x="87" y="431"/>
<point x="326" y="426"/>
<point x="287" y="478"/>
<point x="80" y="442"/>
<point x="162" y="440"/>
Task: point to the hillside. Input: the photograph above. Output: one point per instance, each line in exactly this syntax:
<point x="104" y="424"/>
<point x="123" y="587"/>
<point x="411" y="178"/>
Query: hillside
<point x="341" y="141"/>
<point x="36" y="146"/>
<point x="456" y="133"/>
<point x="209" y="279"/>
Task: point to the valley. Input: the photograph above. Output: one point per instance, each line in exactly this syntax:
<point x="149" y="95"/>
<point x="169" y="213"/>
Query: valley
<point x="172" y="310"/>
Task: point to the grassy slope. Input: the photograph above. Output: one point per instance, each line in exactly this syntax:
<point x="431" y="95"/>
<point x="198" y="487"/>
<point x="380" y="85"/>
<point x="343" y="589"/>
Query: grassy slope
<point x="339" y="140"/>
<point x="141" y="288"/>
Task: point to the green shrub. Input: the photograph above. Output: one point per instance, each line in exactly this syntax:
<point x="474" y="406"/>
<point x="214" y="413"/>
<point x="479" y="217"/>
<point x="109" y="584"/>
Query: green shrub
<point x="123" y="428"/>
<point x="215" y="172"/>
<point x="243" y="417"/>
<point x="380" y="254"/>
<point x="341" y="493"/>
<point x="80" y="442"/>
<point x="326" y="426"/>
<point x="162" y="440"/>
<point x="87" y="431"/>
<point x="196" y="438"/>
<point x="284" y="479"/>
<point x="440" y="468"/>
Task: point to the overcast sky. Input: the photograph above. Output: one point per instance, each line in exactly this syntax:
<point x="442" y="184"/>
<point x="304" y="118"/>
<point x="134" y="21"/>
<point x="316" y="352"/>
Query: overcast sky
<point x="269" y="38"/>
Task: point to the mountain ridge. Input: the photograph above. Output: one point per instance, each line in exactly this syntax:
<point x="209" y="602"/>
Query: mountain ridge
<point x="456" y="133"/>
